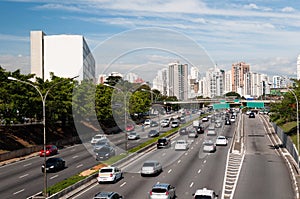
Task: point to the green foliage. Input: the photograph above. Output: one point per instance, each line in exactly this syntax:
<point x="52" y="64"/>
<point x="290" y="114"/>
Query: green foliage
<point x="64" y="184"/>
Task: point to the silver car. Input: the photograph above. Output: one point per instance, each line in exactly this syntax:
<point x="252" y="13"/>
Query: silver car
<point x="209" y="146"/>
<point x="151" y="167"/>
<point x="162" y="191"/>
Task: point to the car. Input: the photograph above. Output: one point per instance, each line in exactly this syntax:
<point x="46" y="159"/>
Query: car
<point x="199" y="129"/>
<point x="175" y="124"/>
<point x="218" y="124"/>
<point x="153" y="133"/>
<point x="165" y="123"/>
<point x="162" y="191"/>
<point x="205" y="194"/>
<point x="151" y="167"/>
<point x="133" y="136"/>
<point x="109" y="174"/>
<point x="232" y="118"/>
<point x="227" y="122"/>
<point x="211" y="131"/>
<point x="248" y="112"/>
<point x="50" y="150"/>
<point x="192" y="133"/>
<point x="181" y="145"/>
<point x="54" y="164"/>
<point x="97" y="138"/>
<point x="182" y="120"/>
<point x="205" y="119"/>
<point x="107" y="195"/>
<point x="105" y="152"/>
<point x="163" y="143"/>
<point x="129" y="127"/>
<point x="251" y="115"/>
<point x="209" y="146"/>
<point x="221" y="141"/>
<point x="182" y="131"/>
<point x="153" y="124"/>
<point x="147" y="122"/>
<point x="100" y="144"/>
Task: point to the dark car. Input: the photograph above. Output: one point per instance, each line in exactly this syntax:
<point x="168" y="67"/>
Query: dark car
<point x="50" y="150"/>
<point x="54" y="164"/>
<point x="183" y="131"/>
<point x="153" y="124"/>
<point x="107" y="195"/>
<point x="251" y="115"/>
<point x="227" y="122"/>
<point x="163" y="143"/>
<point x="104" y="152"/>
<point x="199" y="129"/>
<point x="153" y="133"/>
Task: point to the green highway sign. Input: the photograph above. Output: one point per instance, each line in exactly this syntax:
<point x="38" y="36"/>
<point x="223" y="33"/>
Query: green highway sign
<point x="255" y="105"/>
<point x="221" y="106"/>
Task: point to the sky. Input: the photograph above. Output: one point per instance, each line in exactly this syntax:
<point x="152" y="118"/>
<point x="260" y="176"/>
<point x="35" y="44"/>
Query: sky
<point x="143" y="36"/>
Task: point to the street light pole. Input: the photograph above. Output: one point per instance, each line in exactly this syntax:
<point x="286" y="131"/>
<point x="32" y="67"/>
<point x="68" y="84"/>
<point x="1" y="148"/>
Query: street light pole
<point x="43" y="97"/>
<point x="125" y="111"/>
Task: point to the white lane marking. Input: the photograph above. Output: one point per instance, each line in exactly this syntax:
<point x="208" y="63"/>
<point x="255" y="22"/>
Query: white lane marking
<point x="186" y="153"/>
<point x="122" y="184"/>
<point x="192" y="147"/>
<point x="76" y="156"/>
<point x="53" y="177"/>
<point x="17" y="192"/>
<point x="204" y="161"/>
<point x="191" y="184"/>
<point x="170" y="171"/>
<point x="85" y="190"/>
<point x="79" y="165"/>
<point x="178" y="161"/>
<point x="163" y="154"/>
<point x="26" y="165"/>
<point x="199" y="171"/>
<point x="24" y="175"/>
<point x="73" y="150"/>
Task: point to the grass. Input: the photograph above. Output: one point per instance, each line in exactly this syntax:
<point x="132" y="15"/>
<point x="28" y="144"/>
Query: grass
<point x="287" y="127"/>
<point x="64" y="184"/>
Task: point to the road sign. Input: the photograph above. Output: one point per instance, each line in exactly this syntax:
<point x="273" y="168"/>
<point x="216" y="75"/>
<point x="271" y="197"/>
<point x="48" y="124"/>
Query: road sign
<point x="221" y="106"/>
<point x="255" y="104"/>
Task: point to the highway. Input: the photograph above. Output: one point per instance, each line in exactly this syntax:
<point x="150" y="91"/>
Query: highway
<point x="25" y="178"/>
<point x="186" y="170"/>
<point x="264" y="173"/>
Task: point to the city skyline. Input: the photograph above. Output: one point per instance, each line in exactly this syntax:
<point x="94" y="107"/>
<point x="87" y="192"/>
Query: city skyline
<point x="261" y="34"/>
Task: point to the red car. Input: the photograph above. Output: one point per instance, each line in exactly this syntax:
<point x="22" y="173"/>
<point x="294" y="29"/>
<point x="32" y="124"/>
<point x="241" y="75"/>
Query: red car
<point x="129" y="127"/>
<point x="50" y="150"/>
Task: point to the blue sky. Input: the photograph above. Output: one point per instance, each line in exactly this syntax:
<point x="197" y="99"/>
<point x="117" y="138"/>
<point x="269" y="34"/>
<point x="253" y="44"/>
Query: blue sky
<point x="265" y="34"/>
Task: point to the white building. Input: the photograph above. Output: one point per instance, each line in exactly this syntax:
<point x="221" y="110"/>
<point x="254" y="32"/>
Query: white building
<point x="178" y="80"/>
<point x="227" y="82"/>
<point x="131" y="77"/>
<point x="277" y="82"/>
<point x="64" y="55"/>
<point x="160" y="82"/>
<point x="215" y="82"/>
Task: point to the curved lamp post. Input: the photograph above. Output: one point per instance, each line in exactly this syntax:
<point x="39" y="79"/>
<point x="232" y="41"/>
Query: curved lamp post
<point x="125" y="109"/>
<point x="43" y="97"/>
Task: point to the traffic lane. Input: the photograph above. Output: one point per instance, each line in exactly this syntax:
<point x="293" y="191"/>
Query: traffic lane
<point x="264" y="173"/>
<point x="134" y="186"/>
<point x="31" y="182"/>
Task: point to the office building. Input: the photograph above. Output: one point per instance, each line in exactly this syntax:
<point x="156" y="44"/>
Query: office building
<point x="64" y="55"/>
<point x="298" y="67"/>
<point x="238" y="72"/>
<point x="178" y="80"/>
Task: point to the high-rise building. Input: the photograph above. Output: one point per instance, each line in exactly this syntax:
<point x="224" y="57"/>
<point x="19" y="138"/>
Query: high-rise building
<point x="277" y="82"/>
<point x="178" y="80"/>
<point x="298" y="67"/>
<point x="215" y="82"/>
<point x="160" y="82"/>
<point x="228" y="82"/>
<point x="238" y="72"/>
<point x="64" y="55"/>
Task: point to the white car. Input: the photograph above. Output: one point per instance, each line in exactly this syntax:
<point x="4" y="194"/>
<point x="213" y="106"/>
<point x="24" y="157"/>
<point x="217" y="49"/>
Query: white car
<point x="147" y="122"/>
<point x="209" y="146"/>
<point x="205" y="119"/>
<point x="181" y="145"/>
<point x="205" y="193"/>
<point x="175" y="124"/>
<point x="221" y="141"/>
<point x="211" y="132"/>
<point x="109" y="174"/>
<point x="97" y="138"/>
<point x="232" y="118"/>
<point x="133" y="136"/>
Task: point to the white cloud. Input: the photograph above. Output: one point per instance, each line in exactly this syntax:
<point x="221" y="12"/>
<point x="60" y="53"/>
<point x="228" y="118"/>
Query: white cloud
<point x="288" y="9"/>
<point x="251" y="6"/>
